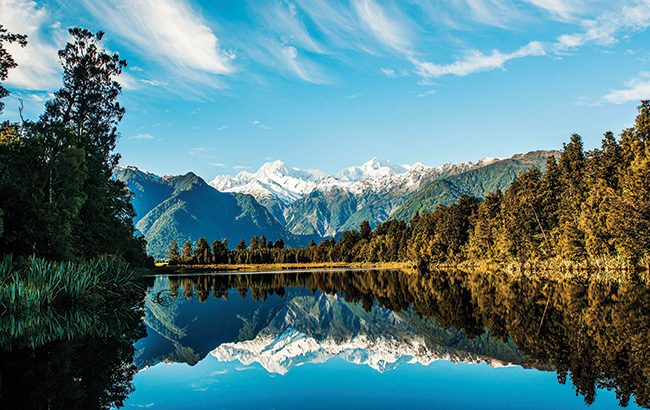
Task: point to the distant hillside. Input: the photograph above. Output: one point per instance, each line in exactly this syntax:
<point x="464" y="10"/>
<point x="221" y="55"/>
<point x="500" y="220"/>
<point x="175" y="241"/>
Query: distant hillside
<point x="477" y="182"/>
<point x="186" y="207"/>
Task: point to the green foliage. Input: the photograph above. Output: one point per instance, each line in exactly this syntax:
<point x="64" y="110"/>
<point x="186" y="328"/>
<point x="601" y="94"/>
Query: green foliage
<point x="478" y="183"/>
<point x="36" y="284"/>
<point x="7" y="61"/>
<point x="581" y="208"/>
<point x="56" y="190"/>
<point x="173" y="255"/>
<point x="184" y="207"/>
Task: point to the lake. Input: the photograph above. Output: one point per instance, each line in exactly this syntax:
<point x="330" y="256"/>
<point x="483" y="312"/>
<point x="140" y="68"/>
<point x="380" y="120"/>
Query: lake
<point x="336" y="339"/>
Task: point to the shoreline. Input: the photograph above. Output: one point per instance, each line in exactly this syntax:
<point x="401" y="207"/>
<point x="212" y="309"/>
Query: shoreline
<point x="278" y="267"/>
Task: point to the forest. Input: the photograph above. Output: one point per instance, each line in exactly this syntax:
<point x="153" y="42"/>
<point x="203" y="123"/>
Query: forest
<point x="61" y="212"/>
<point x="590" y="208"/>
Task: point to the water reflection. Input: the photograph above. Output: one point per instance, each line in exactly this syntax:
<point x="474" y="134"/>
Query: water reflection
<point x="75" y="358"/>
<point x="594" y="333"/>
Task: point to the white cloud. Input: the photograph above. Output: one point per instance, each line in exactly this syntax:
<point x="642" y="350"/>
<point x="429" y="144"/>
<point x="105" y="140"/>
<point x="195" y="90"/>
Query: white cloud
<point x="153" y="83"/>
<point x="564" y="9"/>
<point x="384" y="26"/>
<point x="388" y="72"/>
<point x="261" y="125"/>
<point x="427" y="93"/>
<point x="282" y="19"/>
<point x="604" y="29"/>
<point x="241" y="167"/>
<point x="217" y="164"/>
<point x="38" y="63"/>
<point x="475" y="61"/>
<point x="635" y="90"/>
<point x="169" y="32"/>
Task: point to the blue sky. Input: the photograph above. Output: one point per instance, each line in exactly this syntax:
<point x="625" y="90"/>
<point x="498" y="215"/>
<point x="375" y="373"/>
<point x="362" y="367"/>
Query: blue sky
<point x="217" y="87"/>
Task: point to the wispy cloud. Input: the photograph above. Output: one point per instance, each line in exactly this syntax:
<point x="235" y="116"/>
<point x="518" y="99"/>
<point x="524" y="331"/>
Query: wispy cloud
<point x="153" y="83"/>
<point x="384" y="25"/>
<point x="475" y="61"/>
<point x="241" y="167"/>
<point x="38" y="64"/>
<point x="169" y="32"/>
<point x="217" y="164"/>
<point x="261" y="125"/>
<point x="283" y="20"/>
<point x="427" y="93"/>
<point x="564" y="9"/>
<point x="635" y="90"/>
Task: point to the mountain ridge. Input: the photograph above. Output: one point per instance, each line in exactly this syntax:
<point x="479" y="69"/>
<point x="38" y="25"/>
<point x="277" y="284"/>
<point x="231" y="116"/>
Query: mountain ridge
<point x="280" y="201"/>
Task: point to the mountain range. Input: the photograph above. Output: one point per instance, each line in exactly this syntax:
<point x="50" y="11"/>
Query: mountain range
<point x="302" y="204"/>
<point x="280" y="333"/>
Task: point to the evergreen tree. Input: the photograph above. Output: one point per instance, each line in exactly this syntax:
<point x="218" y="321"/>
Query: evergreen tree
<point x="241" y="246"/>
<point x="202" y="252"/>
<point x="186" y="256"/>
<point x="279" y="244"/>
<point x="365" y="230"/>
<point x="486" y="227"/>
<point x="254" y="244"/>
<point x="570" y="238"/>
<point x="173" y="255"/>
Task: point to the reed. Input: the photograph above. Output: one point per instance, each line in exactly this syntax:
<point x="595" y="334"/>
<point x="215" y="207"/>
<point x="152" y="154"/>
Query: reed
<point x="36" y="284"/>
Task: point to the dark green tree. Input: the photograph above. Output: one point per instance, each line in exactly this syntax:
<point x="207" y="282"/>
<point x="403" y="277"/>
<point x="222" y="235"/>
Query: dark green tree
<point x="202" y="253"/>
<point x="173" y="255"/>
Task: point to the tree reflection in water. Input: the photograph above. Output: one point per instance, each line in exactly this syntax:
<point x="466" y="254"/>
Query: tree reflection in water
<point x="71" y="359"/>
<point x="594" y="332"/>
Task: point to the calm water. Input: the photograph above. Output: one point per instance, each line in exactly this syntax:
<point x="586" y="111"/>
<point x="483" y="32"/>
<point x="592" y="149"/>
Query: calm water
<point x="365" y="339"/>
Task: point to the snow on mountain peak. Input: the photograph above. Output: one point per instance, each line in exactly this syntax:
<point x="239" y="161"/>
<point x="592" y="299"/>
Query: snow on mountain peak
<point x="276" y="181"/>
<point x="273" y="179"/>
<point x="374" y="168"/>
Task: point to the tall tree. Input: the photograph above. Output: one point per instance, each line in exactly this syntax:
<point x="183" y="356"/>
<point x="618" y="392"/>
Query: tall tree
<point x="202" y="252"/>
<point x="186" y="256"/>
<point x="173" y="255"/>
<point x="570" y="238"/>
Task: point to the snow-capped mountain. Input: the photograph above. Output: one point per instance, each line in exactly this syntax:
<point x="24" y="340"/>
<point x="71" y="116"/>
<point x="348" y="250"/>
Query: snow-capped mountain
<point x="279" y="353"/>
<point x="273" y="180"/>
<point x="317" y="329"/>
<point x="373" y="169"/>
<point x="304" y="200"/>
<point x="300" y="205"/>
<point x="287" y="184"/>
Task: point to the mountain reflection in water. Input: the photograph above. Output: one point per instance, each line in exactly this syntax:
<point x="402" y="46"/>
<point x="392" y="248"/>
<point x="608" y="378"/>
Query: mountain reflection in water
<point x="594" y="333"/>
<point x="361" y="327"/>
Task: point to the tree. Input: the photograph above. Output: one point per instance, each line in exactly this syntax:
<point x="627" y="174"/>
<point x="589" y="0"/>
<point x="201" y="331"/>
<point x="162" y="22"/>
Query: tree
<point x="254" y="244"/>
<point x="186" y="257"/>
<point x="81" y="121"/>
<point x="279" y="244"/>
<point x="7" y="61"/>
<point x="570" y="238"/>
<point x="365" y="230"/>
<point x="486" y="227"/>
<point x="173" y="255"/>
<point x="241" y="246"/>
<point x="202" y="252"/>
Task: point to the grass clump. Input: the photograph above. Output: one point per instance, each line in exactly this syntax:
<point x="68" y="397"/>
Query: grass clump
<point x="35" y="284"/>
